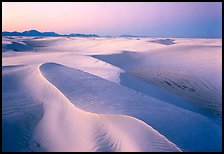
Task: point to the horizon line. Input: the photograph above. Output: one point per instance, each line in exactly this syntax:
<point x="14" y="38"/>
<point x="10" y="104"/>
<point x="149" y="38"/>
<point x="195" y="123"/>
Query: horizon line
<point x="120" y="35"/>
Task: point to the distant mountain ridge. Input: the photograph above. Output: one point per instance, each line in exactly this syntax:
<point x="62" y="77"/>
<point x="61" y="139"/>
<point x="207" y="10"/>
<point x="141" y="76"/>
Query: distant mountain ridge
<point x="37" y="33"/>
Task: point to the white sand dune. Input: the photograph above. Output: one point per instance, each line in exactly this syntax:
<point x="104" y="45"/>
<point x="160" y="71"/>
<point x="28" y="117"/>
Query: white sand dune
<point x="20" y="112"/>
<point x="63" y="127"/>
<point x="96" y="95"/>
<point x="192" y="72"/>
<point x="86" y="94"/>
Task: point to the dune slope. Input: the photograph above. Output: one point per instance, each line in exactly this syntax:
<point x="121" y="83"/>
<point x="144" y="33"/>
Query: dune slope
<point x="95" y="94"/>
<point x="111" y="94"/>
<point x="60" y="126"/>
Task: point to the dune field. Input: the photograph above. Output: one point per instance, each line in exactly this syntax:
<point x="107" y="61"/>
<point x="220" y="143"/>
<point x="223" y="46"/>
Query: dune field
<point x="111" y="94"/>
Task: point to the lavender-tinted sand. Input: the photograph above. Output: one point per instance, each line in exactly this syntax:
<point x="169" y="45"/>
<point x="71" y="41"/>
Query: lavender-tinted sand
<point x="111" y="94"/>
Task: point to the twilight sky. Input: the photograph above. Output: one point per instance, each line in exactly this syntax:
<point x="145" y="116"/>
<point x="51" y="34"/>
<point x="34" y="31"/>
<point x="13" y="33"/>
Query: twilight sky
<point x="155" y="19"/>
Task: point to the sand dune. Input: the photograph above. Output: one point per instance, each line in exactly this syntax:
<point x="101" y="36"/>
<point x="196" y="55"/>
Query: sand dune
<point x="63" y="127"/>
<point x="111" y="94"/>
<point x="187" y="72"/>
<point x="96" y="95"/>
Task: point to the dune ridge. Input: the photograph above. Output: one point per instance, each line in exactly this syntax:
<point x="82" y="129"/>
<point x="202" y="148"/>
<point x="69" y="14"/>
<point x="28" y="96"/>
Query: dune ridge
<point x="95" y="94"/>
<point x="84" y="94"/>
<point x="114" y="126"/>
<point x="64" y="127"/>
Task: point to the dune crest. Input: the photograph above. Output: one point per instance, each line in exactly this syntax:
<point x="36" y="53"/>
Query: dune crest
<point x="64" y="127"/>
<point x="111" y="94"/>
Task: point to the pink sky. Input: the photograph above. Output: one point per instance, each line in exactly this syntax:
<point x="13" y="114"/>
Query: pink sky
<point x="106" y="18"/>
